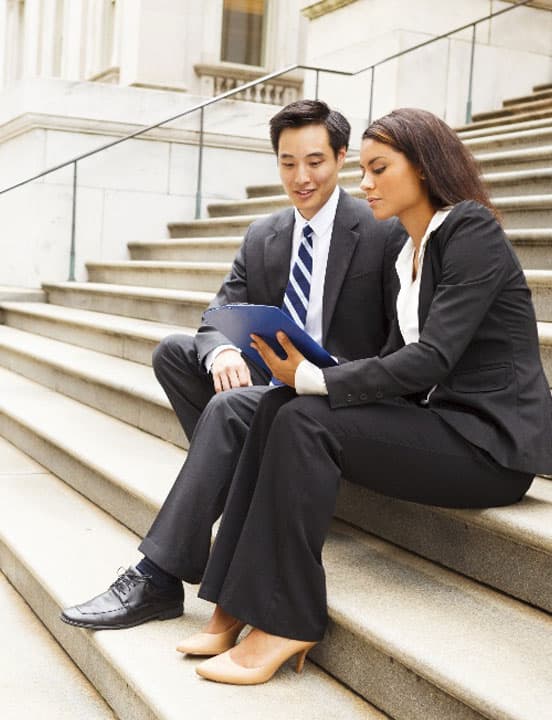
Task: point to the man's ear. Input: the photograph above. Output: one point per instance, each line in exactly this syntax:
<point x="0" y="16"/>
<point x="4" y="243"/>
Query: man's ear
<point x="341" y="155"/>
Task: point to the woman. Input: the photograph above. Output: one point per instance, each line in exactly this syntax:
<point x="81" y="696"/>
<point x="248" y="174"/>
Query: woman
<point x="455" y="412"/>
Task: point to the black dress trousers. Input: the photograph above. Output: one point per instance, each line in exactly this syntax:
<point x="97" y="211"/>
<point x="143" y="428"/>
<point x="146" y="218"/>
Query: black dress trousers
<point x="182" y="376"/>
<point x="265" y="567"/>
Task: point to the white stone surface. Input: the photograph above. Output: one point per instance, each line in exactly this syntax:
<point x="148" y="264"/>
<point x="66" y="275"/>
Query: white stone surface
<point x="512" y="54"/>
<point x="127" y="193"/>
<point x="37" y="679"/>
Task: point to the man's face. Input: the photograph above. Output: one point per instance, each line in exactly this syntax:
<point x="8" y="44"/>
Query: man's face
<point x="308" y="167"/>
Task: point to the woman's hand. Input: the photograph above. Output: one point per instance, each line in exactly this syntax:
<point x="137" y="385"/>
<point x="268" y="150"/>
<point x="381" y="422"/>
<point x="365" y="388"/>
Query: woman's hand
<point x="283" y="370"/>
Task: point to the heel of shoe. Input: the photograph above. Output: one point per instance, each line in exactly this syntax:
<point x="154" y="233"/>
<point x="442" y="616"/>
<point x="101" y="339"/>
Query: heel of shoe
<point x="301" y="657"/>
<point x="173" y="612"/>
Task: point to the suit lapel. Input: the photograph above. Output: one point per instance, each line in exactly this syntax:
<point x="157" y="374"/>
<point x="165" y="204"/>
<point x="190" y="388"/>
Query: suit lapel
<point x="427" y="281"/>
<point x="277" y="258"/>
<point x="342" y="246"/>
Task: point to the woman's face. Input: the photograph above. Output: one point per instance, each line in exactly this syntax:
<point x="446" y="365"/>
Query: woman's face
<point x="392" y="185"/>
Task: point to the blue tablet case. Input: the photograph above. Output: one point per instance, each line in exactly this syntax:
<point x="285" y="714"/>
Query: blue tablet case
<point x="238" y="322"/>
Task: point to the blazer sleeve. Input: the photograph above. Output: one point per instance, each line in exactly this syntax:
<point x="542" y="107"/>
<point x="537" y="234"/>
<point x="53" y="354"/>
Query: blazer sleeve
<point x="232" y="290"/>
<point x="474" y="266"/>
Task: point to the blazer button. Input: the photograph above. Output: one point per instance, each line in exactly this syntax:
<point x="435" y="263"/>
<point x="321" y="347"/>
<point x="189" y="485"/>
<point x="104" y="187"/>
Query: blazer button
<point x="363" y="396"/>
<point x="379" y="395"/>
<point x="349" y="398"/>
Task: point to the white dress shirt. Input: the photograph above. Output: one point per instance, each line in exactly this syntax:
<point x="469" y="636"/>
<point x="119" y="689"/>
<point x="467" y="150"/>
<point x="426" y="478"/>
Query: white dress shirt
<point x="309" y="379"/>
<point x="322" y="226"/>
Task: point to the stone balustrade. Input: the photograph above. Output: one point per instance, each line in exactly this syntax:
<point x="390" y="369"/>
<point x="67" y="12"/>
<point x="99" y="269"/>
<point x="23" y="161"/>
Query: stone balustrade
<point x="219" y="78"/>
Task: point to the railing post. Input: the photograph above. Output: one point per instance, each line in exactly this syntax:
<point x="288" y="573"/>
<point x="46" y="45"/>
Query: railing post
<point x="72" y="251"/>
<point x="372" y="76"/>
<point x="317" y="85"/>
<point x="199" y="167"/>
<point x="470" y="86"/>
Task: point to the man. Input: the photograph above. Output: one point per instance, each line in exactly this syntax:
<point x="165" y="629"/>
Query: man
<point x="325" y="262"/>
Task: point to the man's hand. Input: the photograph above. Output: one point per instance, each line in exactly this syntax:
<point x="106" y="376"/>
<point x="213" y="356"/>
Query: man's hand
<point x="283" y="370"/>
<point x="229" y="370"/>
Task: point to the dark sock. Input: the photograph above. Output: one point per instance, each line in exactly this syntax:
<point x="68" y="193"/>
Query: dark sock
<point x="158" y="576"/>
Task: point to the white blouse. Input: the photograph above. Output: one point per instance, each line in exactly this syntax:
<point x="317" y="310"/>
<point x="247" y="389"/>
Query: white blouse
<point x="409" y="294"/>
<point x="309" y="379"/>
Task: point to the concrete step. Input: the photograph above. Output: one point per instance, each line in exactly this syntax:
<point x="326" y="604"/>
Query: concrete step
<point x="540" y="282"/>
<point x="211" y="227"/>
<point x="38" y="679"/>
<point x="501" y="182"/>
<point x="453" y="647"/>
<point x="207" y="249"/>
<point x="175" y="307"/>
<point x="511" y="160"/>
<point x="545" y="342"/>
<point x="522" y="211"/>
<point x="514" y="125"/>
<point x="516" y="108"/>
<point x="507" y="548"/>
<point x="137" y="671"/>
<point x="7" y="292"/>
<point x="202" y="276"/>
<point x="123" y="389"/>
<point x="538" y="137"/>
<point x="116" y="335"/>
<point x="535" y="96"/>
<point x="503" y="121"/>
<point x="530" y="211"/>
<point x="447" y="661"/>
<point x="534" y="181"/>
<point x="490" y="159"/>
<point x="506" y="183"/>
<point x="122" y="469"/>
<point x="533" y="247"/>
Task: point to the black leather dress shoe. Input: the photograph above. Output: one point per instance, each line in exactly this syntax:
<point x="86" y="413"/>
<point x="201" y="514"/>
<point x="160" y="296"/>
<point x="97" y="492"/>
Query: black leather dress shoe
<point x="131" y="600"/>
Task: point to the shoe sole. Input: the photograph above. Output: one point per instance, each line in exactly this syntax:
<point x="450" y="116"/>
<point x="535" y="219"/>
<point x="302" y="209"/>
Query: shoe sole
<point x="169" y="614"/>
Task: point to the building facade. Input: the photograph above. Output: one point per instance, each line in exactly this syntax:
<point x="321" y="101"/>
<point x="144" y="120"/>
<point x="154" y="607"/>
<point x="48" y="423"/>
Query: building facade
<point x="76" y="74"/>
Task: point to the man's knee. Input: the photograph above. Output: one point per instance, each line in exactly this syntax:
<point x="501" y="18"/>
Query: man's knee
<point x="236" y="401"/>
<point x="174" y="350"/>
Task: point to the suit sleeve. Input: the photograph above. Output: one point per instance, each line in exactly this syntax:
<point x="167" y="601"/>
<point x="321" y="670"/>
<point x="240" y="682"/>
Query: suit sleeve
<point x="475" y="263"/>
<point x="232" y="290"/>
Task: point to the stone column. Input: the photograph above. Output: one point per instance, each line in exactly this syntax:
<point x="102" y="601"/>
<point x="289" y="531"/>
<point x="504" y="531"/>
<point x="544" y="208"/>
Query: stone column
<point x="31" y="35"/>
<point x="3" y="44"/>
<point x="115" y="59"/>
<point x="73" y="40"/>
<point x="130" y="14"/>
<point x="49" y="38"/>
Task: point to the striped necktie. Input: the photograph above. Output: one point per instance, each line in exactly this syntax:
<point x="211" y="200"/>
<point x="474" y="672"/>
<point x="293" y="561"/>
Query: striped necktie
<point x="296" y="298"/>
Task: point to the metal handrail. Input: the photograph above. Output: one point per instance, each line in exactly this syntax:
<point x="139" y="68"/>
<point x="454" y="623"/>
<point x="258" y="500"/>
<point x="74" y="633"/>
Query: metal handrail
<point x="246" y="86"/>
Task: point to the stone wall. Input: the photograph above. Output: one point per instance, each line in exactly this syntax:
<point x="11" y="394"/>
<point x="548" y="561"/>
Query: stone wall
<point x="128" y="192"/>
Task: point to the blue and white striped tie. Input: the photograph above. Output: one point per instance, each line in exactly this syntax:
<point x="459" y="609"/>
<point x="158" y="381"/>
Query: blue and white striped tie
<point x="296" y="298"/>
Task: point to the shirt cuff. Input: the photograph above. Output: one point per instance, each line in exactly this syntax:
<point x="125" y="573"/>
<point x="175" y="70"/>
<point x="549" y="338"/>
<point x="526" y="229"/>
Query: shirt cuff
<point x="309" y="379"/>
<point x="211" y="356"/>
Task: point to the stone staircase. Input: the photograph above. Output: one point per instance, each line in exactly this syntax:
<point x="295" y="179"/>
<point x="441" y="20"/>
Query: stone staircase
<point x="436" y="614"/>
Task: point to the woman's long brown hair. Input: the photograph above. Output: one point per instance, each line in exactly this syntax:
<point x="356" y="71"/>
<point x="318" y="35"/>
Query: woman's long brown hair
<point x="449" y="169"/>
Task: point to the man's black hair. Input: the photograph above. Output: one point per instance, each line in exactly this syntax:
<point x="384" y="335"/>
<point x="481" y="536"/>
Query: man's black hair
<point x="311" y="112"/>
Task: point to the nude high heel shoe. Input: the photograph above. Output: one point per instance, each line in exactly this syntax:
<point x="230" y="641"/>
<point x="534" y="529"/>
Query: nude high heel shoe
<point x="224" y="670"/>
<point x="211" y="643"/>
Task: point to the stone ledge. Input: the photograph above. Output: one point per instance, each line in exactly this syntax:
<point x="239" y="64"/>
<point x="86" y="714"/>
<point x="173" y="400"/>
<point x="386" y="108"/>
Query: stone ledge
<point x="42" y="121"/>
<point x="323" y="7"/>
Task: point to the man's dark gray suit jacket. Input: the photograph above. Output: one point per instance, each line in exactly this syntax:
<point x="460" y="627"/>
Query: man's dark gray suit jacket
<point x="478" y="344"/>
<point x="357" y="305"/>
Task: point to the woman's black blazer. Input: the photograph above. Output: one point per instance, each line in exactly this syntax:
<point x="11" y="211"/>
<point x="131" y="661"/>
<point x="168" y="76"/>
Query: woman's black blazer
<point x="478" y="343"/>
